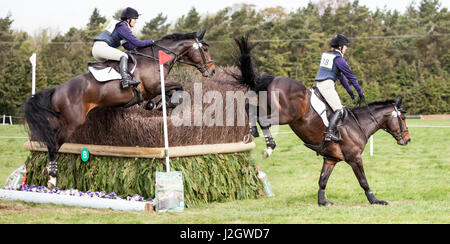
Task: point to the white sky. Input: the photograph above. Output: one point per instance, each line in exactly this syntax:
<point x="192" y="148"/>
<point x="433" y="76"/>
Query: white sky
<point x="61" y="15"/>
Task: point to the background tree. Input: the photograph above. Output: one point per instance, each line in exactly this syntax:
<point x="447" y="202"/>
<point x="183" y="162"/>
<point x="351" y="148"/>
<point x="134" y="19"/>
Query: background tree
<point x="392" y="53"/>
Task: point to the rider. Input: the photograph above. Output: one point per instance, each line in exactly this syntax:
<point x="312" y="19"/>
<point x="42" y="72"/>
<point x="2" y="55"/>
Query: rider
<point x="106" y="44"/>
<point x="333" y="66"/>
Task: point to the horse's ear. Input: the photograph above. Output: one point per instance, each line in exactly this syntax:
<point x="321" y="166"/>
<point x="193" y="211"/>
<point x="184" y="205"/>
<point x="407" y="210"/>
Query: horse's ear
<point x="200" y="34"/>
<point x="399" y="103"/>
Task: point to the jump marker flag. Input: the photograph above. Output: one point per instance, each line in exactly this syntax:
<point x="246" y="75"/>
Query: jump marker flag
<point x="33" y="81"/>
<point x="164" y="58"/>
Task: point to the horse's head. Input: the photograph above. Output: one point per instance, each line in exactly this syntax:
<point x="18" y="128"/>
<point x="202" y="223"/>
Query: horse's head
<point x="396" y="124"/>
<point x="191" y="49"/>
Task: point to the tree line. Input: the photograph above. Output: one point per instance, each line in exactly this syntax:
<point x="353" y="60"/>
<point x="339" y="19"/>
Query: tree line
<point x="392" y="54"/>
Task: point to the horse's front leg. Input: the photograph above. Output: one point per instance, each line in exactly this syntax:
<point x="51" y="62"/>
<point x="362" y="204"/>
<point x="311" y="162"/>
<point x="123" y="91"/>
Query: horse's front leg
<point x="358" y="169"/>
<point x="170" y="88"/>
<point x="327" y="168"/>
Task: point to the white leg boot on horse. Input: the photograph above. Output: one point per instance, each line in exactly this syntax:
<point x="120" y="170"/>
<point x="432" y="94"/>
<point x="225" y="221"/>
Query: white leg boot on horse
<point x="52" y="171"/>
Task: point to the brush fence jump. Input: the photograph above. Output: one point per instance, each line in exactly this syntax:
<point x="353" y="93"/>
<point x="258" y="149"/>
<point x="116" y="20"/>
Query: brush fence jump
<point x="211" y="173"/>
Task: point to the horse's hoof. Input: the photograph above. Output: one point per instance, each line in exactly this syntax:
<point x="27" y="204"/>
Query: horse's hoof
<point x="267" y="152"/>
<point x="381" y="202"/>
<point x="326" y="204"/>
<point x="51" y="183"/>
<point x="150" y="105"/>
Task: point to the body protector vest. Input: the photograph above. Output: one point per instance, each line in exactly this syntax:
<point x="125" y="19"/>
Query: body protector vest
<point x="110" y="35"/>
<point x="328" y="69"/>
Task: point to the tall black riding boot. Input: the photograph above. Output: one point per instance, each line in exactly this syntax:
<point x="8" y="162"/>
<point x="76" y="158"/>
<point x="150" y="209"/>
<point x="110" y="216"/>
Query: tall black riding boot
<point x="332" y="127"/>
<point x="126" y="78"/>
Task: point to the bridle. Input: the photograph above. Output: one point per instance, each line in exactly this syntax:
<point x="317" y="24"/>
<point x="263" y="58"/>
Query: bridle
<point x="395" y="113"/>
<point x="203" y="66"/>
<point x="177" y="58"/>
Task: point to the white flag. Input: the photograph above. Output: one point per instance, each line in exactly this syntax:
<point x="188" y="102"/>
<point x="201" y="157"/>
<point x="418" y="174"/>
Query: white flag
<point x="33" y="59"/>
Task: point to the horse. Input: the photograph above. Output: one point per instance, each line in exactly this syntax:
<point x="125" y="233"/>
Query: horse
<point x="53" y="114"/>
<point x="294" y="109"/>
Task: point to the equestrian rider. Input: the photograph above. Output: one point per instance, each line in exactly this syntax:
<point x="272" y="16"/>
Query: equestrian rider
<point x="333" y="66"/>
<point x="106" y="44"/>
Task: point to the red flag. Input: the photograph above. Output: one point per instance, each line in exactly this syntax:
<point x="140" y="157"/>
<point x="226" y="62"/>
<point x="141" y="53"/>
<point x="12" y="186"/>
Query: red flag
<point x="163" y="57"/>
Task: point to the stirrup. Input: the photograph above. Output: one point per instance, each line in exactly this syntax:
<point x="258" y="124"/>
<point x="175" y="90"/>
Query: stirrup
<point x="132" y="82"/>
<point x="124" y="84"/>
<point x="331" y="137"/>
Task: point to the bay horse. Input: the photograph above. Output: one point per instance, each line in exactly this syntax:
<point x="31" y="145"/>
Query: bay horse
<point x="53" y="114"/>
<point x="294" y="109"/>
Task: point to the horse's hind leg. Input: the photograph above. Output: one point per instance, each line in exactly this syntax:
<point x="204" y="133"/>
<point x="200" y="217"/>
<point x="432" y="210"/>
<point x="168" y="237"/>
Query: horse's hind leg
<point x="52" y="168"/>
<point x="264" y="121"/>
<point x="327" y="168"/>
<point x="270" y="142"/>
<point x="252" y="113"/>
<point x="65" y="131"/>
<point x="358" y="169"/>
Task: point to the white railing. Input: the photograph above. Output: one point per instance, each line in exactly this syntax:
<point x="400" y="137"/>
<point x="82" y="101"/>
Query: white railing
<point x="4" y="119"/>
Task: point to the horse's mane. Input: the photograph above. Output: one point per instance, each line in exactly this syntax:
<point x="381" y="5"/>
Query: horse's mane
<point x="180" y="36"/>
<point x="374" y="104"/>
<point x="175" y="37"/>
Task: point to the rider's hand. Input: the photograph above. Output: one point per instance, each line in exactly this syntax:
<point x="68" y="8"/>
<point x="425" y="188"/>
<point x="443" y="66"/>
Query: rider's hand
<point x="362" y="99"/>
<point x="352" y="96"/>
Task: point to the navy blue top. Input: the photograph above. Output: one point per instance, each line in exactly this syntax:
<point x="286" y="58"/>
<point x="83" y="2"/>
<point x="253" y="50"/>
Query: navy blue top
<point x="342" y="65"/>
<point x="132" y="42"/>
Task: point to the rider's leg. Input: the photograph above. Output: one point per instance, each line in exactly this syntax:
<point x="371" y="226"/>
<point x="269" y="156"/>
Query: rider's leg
<point x="123" y="69"/>
<point x="328" y="91"/>
<point x="332" y="127"/>
<point x="102" y="51"/>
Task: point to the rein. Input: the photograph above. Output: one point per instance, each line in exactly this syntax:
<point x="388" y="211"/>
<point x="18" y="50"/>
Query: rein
<point x="177" y="57"/>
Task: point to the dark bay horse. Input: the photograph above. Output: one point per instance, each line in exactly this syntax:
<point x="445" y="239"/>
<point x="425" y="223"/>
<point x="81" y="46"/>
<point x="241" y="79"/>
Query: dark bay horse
<point x="53" y="114"/>
<point x="294" y="108"/>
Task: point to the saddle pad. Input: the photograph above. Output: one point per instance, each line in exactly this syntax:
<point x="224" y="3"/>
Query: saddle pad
<point x="105" y="74"/>
<point x="319" y="107"/>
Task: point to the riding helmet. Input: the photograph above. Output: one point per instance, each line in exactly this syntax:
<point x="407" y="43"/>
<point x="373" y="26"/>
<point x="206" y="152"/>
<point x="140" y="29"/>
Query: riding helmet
<point x="339" y="40"/>
<point x="129" y="13"/>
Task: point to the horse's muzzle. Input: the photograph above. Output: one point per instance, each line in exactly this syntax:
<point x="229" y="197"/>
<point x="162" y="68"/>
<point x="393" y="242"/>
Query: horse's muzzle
<point x="403" y="142"/>
<point x="208" y="73"/>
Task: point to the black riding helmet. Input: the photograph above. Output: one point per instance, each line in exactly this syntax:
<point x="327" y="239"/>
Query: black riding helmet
<point x="129" y="13"/>
<point x="339" y="40"/>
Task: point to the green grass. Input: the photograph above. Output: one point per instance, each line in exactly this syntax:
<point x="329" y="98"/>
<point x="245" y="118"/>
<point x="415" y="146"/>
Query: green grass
<point x="413" y="179"/>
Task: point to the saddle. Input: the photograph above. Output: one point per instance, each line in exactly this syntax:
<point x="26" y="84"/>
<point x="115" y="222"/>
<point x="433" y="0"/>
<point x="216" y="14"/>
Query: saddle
<point x="324" y="110"/>
<point x="321" y="106"/>
<point x="108" y="70"/>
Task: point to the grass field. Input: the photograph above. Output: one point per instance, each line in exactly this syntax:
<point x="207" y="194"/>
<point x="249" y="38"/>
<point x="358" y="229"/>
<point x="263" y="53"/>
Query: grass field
<point x="413" y="179"/>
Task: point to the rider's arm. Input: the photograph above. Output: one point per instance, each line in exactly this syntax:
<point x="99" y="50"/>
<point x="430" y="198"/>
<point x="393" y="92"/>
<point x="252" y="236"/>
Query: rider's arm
<point x="346" y="86"/>
<point x="132" y="42"/>
<point x="343" y="67"/>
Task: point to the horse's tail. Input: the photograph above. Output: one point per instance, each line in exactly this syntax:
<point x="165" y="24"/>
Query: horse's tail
<point x="249" y="74"/>
<point x="38" y="113"/>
